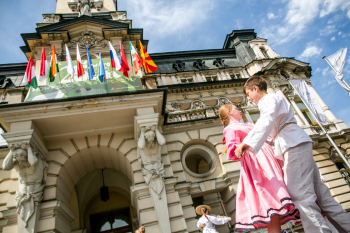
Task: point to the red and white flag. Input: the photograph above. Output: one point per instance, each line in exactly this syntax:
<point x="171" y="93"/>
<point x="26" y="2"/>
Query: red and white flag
<point x="80" y="68"/>
<point x="29" y="78"/>
<point x="136" y="60"/>
<point x="125" y="66"/>
<point x="44" y="66"/>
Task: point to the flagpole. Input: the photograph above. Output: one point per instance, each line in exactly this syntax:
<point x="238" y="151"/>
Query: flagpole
<point x="323" y="129"/>
<point x="325" y="58"/>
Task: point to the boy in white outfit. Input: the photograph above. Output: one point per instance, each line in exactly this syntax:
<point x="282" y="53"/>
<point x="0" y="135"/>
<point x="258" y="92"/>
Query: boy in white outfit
<point x="294" y="146"/>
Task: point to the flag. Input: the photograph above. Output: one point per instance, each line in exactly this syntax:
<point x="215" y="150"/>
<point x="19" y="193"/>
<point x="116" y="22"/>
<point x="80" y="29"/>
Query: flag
<point x="29" y="78"/>
<point x="309" y="100"/>
<point x="125" y="67"/>
<point x="135" y="58"/>
<point x="70" y="67"/>
<point x="80" y="68"/>
<point x="337" y="62"/>
<point x="147" y="62"/>
<point x="53" y="70"/>
<point x="115" y="60"/>
<point x="44" y="66"/>
<point x="90" y="68"/>
<point x="101" y="70"/>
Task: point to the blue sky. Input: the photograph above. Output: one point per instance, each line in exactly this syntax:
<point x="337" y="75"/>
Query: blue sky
<point x="304" y="29"/>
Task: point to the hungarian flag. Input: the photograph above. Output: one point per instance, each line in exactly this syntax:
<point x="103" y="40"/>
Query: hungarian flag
<point x="29" y="78"/>
<point x="53" y="65"/>
<point x="125" y="67"/>
<point x="147" y="62"/>
<point x="115" y="60"/>
<point x="135" y="58"/>
<point x="70" y="67"/>
<point x="44" y="66"/>
<point x="80" y="68"/>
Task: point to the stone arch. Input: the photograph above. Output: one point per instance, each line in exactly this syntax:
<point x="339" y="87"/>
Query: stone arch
<point x="70" y="160"/>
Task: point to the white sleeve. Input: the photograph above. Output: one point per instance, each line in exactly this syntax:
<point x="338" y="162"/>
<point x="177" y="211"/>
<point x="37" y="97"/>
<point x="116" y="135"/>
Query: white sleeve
<point x="218" y="221"/>
<point x="199" y="222"/>
<point x="263" y="127"/>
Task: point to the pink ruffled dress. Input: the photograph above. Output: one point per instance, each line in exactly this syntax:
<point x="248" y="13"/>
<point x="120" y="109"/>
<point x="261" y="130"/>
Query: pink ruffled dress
<point x="261" y="191"/>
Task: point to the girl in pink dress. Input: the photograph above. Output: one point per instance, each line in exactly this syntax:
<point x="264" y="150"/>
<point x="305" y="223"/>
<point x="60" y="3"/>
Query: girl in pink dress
<point x="262" y="200"/>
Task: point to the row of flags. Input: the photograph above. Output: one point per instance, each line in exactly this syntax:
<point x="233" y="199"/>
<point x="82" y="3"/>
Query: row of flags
<point x="50" y="71"/>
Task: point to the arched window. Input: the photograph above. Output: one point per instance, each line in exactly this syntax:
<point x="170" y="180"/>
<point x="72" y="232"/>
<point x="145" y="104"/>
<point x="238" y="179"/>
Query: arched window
<point x="264" y="52"/>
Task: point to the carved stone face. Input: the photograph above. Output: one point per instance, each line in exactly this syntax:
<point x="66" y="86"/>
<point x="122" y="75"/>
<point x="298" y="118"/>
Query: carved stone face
<point x="21" y="157"/>
<point x="150" y="136"/>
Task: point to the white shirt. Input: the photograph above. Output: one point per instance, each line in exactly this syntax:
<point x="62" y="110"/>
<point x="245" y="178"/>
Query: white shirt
<point x="209" y="228"/>
<point x="275" y="111"/>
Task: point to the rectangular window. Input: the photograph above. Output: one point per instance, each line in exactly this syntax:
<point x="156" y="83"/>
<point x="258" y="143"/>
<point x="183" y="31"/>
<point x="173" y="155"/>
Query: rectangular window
<point x="306" y="113"/>
<point x="255" y="116"/>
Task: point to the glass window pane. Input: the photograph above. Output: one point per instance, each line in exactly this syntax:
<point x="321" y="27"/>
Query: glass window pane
<point x="254" y="116"/>
<point x="301" y="106"/>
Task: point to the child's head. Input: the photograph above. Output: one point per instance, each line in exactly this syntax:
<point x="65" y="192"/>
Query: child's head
<point x="229" y="112"/>
<point x="255" y="88"/>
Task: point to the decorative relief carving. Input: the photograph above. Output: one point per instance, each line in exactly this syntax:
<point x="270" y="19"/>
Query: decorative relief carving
<point x="219" y="62"/>
<point x="197" y="104"/>
<point x="31" y="168"/>
<point x="87" y="37"/>
<point x="199" y="64"/>
<point x="223" y="101"/>
<point x="175" y="105"/>
<point x="179" y="66"/>
<point x="84" y="7"/>
<point x="149" y="155"/>
<point x="122" y="17"/>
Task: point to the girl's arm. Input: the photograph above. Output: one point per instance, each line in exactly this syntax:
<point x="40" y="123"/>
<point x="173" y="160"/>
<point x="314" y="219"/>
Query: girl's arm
<point x="231" y="143"/>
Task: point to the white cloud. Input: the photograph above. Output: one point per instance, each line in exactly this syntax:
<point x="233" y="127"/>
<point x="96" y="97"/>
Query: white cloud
<point x="333" y="38"/>
<point x="300" y="14"/>
<point x="271" y="15"/>
<point x="165" y="19"/>
<point x="239" y="24"/>
<point x="328" y="30"/>
<point x="339" y="33"/>
<point x="310" y="51"/>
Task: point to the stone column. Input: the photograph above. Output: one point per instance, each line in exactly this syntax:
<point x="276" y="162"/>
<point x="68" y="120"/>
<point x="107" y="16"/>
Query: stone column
<point x="149" y="143"/>
<point x="276" y="87"/>
<point x="301" y="120"/>
<point x="246" y="113"/>
<point x="324" y="107"/>
<point x="164" y="80"/>
<point x="27" y="157"/>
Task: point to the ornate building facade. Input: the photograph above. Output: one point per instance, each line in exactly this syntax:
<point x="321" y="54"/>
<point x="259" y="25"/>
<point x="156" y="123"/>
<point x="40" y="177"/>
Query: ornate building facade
<point x="111" y="162"/>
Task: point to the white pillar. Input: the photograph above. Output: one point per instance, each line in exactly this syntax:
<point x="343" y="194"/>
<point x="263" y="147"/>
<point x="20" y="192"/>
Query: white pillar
<point x="223" y="75"/>
<point x="203" y="77"/>
<point x="301" y="120"/>
<point x="173" y="79"/>
<point x="194" y="77"/>
<point x="246" y="113"/>
<point x="228" y="76"/>
<point x="164" y="80"/>
<point x="218" y="75"/>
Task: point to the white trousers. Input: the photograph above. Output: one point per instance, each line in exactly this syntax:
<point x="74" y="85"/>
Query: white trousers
<point x="309" y="194"/>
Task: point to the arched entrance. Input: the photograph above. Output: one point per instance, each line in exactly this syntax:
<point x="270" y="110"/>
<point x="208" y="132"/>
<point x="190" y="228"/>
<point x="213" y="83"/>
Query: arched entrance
<point x="78" y="164"/>
<point x="94" y="215"/>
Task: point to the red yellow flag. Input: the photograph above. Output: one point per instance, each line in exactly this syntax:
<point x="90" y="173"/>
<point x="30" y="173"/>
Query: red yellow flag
<point x="147" y="61"/>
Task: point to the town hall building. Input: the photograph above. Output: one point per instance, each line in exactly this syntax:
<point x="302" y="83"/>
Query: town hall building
<point x="82" y="156"/>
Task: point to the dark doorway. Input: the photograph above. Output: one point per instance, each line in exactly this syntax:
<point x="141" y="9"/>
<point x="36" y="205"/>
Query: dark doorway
<point x="116" y="221"/>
